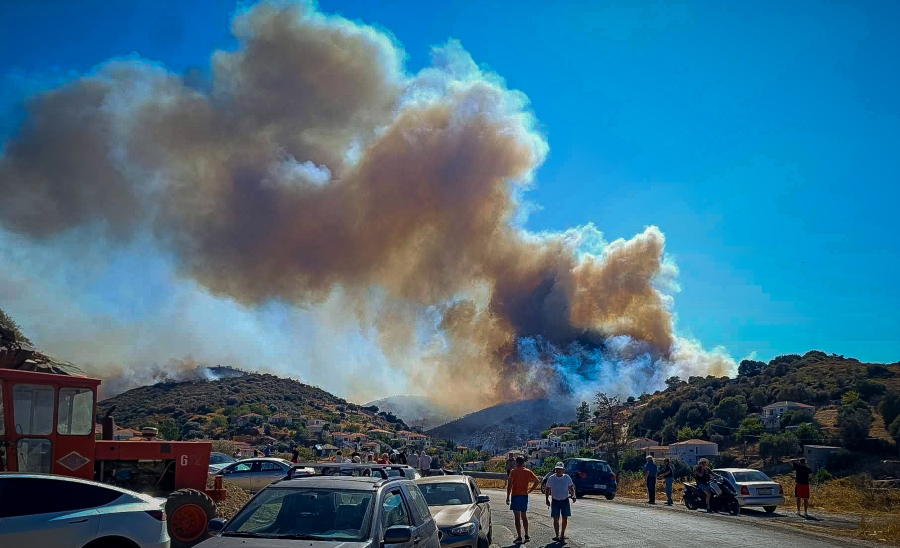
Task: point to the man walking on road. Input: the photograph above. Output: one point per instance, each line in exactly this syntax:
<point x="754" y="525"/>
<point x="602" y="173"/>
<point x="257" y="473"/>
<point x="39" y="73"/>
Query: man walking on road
<point x="801" y="489"/>
<point x="650" y="470"/>
<point x="425" y="464"/>
<point x="519" y="484"/>
<point x="561" y="488"/>
<point x="668" y="474"/>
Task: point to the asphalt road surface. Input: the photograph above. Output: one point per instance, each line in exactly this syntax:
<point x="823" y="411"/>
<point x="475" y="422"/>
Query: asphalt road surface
<point x="598" y="522"/>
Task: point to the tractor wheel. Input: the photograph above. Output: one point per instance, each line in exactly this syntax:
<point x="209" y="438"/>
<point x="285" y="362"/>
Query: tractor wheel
<point x="188" y="512"/>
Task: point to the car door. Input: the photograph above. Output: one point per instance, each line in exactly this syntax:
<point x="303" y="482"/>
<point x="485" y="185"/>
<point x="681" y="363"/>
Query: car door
<point x="266" y="473"/>
<point x="239" y="474"/>
<point x="483" y="511"/>
<point x="394" y="513"/>
<point x="48" y="512"/>
<point x="426" y="528"/>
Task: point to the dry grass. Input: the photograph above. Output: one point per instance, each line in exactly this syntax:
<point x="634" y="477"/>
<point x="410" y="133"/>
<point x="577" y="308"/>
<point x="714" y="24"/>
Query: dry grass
<point x="855" y="494"/>
<point x="884" y="528"/>
<point x="490" y="483"/>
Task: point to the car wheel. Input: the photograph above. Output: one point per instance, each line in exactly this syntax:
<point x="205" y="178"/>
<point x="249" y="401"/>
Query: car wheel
<point x="734" y="508"/>
<point x="109" y="544"/>
<point x="688" y="503"/>
<point x="610" y="496"/>
<point x="188" y="512"/>
<point x="770" y="509"/>
<point x="483" y="542"/>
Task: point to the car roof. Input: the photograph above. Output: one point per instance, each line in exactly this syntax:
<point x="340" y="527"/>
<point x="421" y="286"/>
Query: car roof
<point x="266" y="459"/>
<point x="587" y="459"/>
<point x="23" y="475"/>
<point x="349" y="483"/>
<point x="732" y="470"/>
<point x="444" y="479"/>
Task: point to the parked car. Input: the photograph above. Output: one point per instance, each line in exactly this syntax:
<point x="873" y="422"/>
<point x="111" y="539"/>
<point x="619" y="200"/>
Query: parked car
<point x="328" y="510"/>
<point x="753" y="487"/>
<point x="39" y="510"/>
<point x="462" y="513"/>
<point x="590" y="476"/>
<point x="252" y="475"/>
<point x="217" y="461"/>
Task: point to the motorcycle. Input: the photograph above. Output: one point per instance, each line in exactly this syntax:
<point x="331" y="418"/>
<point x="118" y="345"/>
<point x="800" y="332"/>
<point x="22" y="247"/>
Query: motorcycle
<point x="724" y="496"/>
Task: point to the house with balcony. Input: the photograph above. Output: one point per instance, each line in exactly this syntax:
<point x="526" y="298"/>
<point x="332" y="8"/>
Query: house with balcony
<point x="771" y="414"/>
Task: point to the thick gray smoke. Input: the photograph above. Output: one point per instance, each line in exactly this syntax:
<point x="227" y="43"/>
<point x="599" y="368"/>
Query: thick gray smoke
<point x="315" y="163"/>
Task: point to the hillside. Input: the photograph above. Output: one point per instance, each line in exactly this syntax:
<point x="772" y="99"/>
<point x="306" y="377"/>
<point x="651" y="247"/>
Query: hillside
<point x="212" y="405"/>
<point x="506" y="425"/>
<point x="414" y="410"/>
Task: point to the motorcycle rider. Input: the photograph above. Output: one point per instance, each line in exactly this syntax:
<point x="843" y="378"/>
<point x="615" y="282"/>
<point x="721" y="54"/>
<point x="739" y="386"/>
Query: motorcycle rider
<point x="702" y="475"/>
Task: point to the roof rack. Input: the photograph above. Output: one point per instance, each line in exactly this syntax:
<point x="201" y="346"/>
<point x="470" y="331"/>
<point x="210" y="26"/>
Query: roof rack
<point x="384" y="471"/>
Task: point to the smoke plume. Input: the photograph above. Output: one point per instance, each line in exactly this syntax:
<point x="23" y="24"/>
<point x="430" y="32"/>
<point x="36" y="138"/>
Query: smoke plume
<point x="314" y="164"/>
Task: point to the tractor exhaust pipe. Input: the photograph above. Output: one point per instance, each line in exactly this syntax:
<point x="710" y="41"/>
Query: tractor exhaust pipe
<point x="108" y="425"/>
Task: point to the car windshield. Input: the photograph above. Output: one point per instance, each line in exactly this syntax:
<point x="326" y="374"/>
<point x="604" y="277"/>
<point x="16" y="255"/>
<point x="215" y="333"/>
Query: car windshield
<point x="751" y="475"/>
<point x="219" y="458"/>
<point x="315" y="514"/>
<point x="446" y="494"/>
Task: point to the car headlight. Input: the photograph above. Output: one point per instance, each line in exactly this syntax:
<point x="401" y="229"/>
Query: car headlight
<point x="462" y="530"/>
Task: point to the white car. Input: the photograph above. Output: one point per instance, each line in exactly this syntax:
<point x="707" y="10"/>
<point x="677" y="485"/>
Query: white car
<point x="753" y="488"/>
<point x="39" y="510"/>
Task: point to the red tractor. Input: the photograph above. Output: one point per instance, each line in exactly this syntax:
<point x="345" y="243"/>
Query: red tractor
<point x="47" y="426"/>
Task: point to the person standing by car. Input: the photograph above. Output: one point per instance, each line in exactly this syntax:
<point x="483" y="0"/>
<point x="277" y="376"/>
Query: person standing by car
<point x="339" y="457"/>
<point x="519" y="484"/>
<point x="295" y="455"/>
<point x="668" y="475"/>
<point x="801" y="488"/>
<point x="560" y="488"/>
<point x="650" y="471"/>
<point x="424" y="464"/>
<point x="702" y="476"/>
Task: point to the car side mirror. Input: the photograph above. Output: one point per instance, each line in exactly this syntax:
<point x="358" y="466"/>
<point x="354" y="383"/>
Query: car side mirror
<point x="216" y="525"/>
<point x="397" y="535"/>
<point x="481" y="499"/>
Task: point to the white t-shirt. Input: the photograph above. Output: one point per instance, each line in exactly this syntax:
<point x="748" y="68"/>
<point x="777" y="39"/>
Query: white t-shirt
<point x="425" y="461"/>
<point x="559" y="486"/>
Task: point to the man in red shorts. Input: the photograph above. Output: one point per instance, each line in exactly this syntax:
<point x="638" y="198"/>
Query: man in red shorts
<point x="801" y="491"/>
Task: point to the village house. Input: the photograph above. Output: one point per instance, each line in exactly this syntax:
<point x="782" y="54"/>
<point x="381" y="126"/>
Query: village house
<point x="379" y="432"/>
<point x="560" y="430"/>
<point x="325" y="451"/>
<point x="474" y="465"/>
<point x="691" y="451"/>
<point x="817" y="455"/>
<point x="315" y="426"/>
<point x="125" y="434"/>
<point x="641" y="443"/>
<point x="371" y="447"/>
<point x="571" y="446"/>
<point x="249" y="418"/>
<point x="281" y="419"/>
<point x="418" y="440"/>
<point x="657" y="452"/>
<point x="771" y="414"/>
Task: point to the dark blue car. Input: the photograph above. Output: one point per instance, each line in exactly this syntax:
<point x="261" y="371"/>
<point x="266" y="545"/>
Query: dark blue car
<point x="590" y="476"/>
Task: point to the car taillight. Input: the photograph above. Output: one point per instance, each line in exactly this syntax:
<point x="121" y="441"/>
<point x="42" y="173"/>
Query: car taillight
<point x="582" y="475"/>
<point x="158" y="514"/>
<point x="745" y="491"/>
<point x="613" y="477"/>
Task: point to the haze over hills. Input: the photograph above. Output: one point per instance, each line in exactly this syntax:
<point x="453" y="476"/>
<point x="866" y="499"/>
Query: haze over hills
<point x="415" y="410"/>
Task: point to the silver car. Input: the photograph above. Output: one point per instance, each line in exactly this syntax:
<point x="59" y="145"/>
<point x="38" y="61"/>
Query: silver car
<point x="753" y="488"/>
<point x="253" y="474"/>
<point x="462" y="513"/>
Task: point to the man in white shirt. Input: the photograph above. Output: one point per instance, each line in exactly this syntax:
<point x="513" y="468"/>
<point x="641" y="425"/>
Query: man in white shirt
<point x="425" y="463"/>
<point x="560" y="488"/>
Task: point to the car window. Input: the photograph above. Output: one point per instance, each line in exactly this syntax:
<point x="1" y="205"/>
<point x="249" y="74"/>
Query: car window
<point x="47" y="496"/>
<point x="419" y="503"/>
<point x="474" y="487"/>
<point x="239" y="467"/>
<point x="572" y="465"/>
<point x="752" y="475"/>
<point x="446" y="494"/>
<point x="271" y="467"/>
<point x="319" y="514"/>
<point x="393" y="511"/>
<point x="594" y="466"/>
<point x="219" y="458"/>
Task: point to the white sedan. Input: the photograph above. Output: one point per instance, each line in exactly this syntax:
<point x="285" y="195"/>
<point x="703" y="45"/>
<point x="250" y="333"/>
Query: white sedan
<point x="44" y="510"/>
<point x="753" y="487"/>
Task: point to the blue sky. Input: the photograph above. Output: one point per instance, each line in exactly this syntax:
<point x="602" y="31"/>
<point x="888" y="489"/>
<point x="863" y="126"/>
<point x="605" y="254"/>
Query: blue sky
<point x="761" y="138"/>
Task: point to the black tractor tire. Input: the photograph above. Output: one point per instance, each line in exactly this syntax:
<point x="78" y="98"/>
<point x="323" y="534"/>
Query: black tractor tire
<point x="188" y="512"/>
<point x="733" y="507"/>
<point x="770" y="509"/>
<point x="610" y="496"/>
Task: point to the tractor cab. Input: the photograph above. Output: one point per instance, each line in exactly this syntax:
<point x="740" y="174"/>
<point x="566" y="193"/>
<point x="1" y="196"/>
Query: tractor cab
<point x="47" y="423"/>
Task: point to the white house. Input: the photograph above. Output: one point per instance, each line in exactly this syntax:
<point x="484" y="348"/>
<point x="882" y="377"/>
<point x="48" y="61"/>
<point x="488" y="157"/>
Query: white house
<point x="571" y="446"/>
<point x="281" y="418"/>
<point x="641" y="443"/>
<point x="771" y="414"/>
<point x="693" y="450"/>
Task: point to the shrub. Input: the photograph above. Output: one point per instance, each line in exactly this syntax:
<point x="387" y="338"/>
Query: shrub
<point x="807" y="433"/>
<point x="868" y="389"/>
<point x="890" y="408"/>
<point x="732" y="410"/>
<point x="823" y="475"/>
<point x="854" y="423"/>
<point x="841" y="460"/>
<point x="750" y="429"/>
<point x="795" y="418"/>
<point x="774" y="446"/>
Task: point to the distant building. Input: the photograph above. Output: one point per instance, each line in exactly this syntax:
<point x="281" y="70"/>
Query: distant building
<point x="560" y="430"/>
<point x="125" y="434"/>
<point x="281" y="419"/>
<point x="693" y="450"/>
<point x="249" y="418"/>
<point x="771" y="414"/>
<point x="474" y="465"/>
<point x="817" y="455"/>
<point x="571" y="446"/>
<point x="325" y="450"/>
<point x="641" y="443"/>
<point x="657" y="452"/>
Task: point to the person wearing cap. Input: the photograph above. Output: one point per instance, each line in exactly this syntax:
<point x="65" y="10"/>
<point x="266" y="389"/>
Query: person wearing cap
<point x="650" y="470"/>
<point x="560" y="488"/>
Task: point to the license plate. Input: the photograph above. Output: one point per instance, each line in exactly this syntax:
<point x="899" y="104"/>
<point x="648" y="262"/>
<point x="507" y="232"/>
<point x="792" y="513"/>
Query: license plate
<point x="763" y="491"/>
<point x="598" y="486"/>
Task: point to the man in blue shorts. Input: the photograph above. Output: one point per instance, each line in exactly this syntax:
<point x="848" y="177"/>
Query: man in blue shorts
<point x="520" y="482"/>
<point x="560" y="489"/>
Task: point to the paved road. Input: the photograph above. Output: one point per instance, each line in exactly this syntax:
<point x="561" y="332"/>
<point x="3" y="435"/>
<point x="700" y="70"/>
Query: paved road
<point x="598" y="522"/>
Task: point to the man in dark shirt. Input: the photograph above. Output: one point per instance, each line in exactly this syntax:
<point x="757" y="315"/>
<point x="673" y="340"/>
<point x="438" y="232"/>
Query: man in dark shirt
<point x="667" y="473"/>
<point x="650" y="470"/>
<point x="702" y="475"/>
<point x="801" y="489"/>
